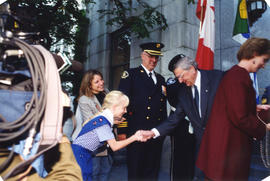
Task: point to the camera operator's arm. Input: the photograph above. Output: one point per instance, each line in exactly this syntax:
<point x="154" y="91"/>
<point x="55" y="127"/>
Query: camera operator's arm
<point x="65" y="168"/>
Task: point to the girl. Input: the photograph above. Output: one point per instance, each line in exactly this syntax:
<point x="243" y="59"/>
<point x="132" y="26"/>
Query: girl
<point x="98" y="131"/>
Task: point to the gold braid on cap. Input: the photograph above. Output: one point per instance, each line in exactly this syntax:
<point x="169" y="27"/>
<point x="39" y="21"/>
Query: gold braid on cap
<point x="153" y="52"/>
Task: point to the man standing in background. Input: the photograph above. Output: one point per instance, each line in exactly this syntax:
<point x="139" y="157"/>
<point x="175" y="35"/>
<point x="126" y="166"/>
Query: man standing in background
<point x="147" y="109"/>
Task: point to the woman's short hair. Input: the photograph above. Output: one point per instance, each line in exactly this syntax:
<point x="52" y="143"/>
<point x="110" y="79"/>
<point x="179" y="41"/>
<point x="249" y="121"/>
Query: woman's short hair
<point x="85" y="88"/>
<point x="115" y="98"/>
<point x="254" y="47"/>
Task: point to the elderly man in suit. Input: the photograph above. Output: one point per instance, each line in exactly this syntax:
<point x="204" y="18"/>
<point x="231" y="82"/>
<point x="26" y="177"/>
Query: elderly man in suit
<point x="147" y="109"/>
<point x="195" y="100"/>
<point x="182" y="137"/>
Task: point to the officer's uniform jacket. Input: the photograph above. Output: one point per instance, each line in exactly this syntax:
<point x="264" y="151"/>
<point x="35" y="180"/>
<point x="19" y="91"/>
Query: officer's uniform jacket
<point x="147" y="107"/>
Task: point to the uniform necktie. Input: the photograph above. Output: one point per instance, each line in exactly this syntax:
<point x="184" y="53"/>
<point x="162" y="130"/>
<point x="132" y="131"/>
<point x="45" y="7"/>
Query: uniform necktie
<point x="150" y="76"/>
<point x="196" y="97"/>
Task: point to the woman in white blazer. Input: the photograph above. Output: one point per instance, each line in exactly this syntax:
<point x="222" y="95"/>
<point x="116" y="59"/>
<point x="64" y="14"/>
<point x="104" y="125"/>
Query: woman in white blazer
<point x="91" y="96"/>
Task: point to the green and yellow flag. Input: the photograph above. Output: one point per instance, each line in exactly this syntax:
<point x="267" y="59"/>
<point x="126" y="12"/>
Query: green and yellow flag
<point x="241" y="28"/>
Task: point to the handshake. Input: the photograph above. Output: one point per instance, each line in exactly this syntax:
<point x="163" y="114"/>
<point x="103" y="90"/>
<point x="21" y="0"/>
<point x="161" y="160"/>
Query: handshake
<point x="143" y="135"/>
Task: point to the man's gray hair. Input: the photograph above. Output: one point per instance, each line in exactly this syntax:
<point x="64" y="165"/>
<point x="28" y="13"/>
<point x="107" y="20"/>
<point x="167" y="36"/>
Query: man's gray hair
<point x="185" y="63"/>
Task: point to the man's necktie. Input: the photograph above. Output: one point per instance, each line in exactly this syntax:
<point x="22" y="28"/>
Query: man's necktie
<point x="150" y="76"/>
<point x="196" y="98"/>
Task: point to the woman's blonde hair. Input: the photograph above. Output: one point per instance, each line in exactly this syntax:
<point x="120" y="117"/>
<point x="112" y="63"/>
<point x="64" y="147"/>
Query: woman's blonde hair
<point x="113" y="98"/>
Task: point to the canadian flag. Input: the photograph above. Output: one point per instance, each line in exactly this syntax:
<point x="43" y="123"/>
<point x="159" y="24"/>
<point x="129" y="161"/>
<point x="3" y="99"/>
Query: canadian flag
<point x="205" y="53"/>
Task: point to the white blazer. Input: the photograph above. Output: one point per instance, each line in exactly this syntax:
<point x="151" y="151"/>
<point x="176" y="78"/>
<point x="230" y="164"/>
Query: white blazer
<point x="86" y="109"/>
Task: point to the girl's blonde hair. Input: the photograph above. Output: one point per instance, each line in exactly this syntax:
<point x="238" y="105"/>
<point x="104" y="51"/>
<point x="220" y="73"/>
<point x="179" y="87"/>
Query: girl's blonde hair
<point x="113" y="98"/>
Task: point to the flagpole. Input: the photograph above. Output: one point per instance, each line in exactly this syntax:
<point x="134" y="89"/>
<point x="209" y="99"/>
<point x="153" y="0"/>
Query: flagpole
<point x="248" y="22"/>
<point x="201" y="19"/>
<point x="221" y="66"/>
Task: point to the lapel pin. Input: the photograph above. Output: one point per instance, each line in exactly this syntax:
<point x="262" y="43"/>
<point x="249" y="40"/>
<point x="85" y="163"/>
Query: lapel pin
<point x="206" y="90"/>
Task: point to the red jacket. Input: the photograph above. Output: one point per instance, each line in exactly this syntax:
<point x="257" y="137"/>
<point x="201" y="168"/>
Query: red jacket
<point x="225" y="151"/>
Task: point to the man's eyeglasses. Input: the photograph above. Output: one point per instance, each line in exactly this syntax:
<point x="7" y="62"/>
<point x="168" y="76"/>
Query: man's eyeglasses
<point x="181" y="76"/>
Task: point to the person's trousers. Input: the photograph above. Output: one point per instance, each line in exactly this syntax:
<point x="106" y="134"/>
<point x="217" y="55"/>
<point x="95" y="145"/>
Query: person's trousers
<point x="101" y="167"/>
<point x="143" y="160"/>
<point x="183" y="153"/>
<point x="198" y="174"/>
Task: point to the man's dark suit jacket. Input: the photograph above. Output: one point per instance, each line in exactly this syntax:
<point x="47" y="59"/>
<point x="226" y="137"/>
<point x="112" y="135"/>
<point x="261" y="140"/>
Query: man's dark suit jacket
<point x="209" y="83"/>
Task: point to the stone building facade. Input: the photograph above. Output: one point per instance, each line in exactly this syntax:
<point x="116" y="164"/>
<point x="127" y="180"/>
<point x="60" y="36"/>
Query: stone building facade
<point x="181" y="36"/>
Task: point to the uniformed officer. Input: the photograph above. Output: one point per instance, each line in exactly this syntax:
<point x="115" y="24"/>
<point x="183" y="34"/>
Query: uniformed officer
<point x="182" y="138"/>
<point x="266" y="95"/>
<point x="147" y="109"/>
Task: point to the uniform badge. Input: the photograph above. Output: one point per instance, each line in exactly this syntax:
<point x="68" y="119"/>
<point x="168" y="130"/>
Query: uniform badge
<point x="171" y="81"/>
<point x="158" y="45"/>
<point x="264" y="101"/>
<point x="124" y="75"/>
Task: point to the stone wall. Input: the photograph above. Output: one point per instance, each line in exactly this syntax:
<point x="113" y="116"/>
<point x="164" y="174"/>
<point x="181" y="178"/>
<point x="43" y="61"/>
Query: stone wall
<point x="181" y="36"/>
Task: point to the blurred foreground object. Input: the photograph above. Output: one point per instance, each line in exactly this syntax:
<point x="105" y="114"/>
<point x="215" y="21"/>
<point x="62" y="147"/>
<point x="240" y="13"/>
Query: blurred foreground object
<point x="30" y="121"/>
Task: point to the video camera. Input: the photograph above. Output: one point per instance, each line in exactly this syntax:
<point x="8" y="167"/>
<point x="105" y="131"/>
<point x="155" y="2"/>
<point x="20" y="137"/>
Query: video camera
<point x="31" y="98"/>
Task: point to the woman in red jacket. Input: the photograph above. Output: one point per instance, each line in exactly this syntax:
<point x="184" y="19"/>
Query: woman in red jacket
<point x="225" y="151"/>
